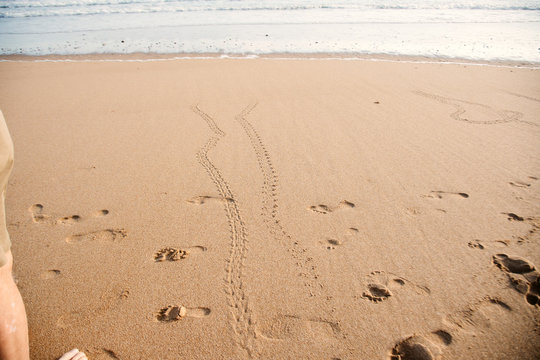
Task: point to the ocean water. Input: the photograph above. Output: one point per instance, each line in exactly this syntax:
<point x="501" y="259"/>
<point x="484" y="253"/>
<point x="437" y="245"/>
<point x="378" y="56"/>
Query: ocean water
<point x="473" y="29"/>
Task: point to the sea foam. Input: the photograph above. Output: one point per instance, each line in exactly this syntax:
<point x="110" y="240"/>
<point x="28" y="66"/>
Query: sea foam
<point x="476" y="30"/>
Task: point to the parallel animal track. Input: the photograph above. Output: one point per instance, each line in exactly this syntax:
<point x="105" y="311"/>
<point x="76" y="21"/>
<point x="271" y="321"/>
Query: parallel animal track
<point x="270" y="213"/>
<point x="242" y="323"/>
<point x="270" y="205"/>
<point x="503" y="116"/>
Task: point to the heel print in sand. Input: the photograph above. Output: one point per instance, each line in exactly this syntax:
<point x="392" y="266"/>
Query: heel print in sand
<point x="175" y="254"/>
<point x="382" y="285"/>
<point x="332" y="243"/>
<point x="325" y="209"/>
<point x="418" y="347"/>
<point x="295" y="327"/>
<point x="36" y="211"/>
<point x="99" y="235"/>
<point x="461" y="328"/>
<point x="172" y="313"/>
<point x="522" y="274"/>
<point x="438" y="194"/>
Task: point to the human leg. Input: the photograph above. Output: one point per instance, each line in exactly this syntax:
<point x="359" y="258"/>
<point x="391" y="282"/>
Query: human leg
<point x="13" y="323"/>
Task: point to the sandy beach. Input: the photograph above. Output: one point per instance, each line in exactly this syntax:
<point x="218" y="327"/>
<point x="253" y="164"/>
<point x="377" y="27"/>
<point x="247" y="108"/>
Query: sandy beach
<point x="276" y="209"/>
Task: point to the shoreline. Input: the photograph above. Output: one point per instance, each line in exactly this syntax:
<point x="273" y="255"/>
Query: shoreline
<point x="149" y="57"/>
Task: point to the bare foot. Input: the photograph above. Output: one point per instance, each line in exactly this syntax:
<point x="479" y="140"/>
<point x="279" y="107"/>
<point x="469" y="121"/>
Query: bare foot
<point x="74" y="354"/>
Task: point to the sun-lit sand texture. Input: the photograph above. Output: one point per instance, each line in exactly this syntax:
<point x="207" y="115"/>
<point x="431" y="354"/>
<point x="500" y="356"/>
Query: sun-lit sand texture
<point x="276" y="209"/>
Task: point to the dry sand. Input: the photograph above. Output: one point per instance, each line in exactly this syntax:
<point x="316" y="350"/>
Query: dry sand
<point x="269" y="209"/>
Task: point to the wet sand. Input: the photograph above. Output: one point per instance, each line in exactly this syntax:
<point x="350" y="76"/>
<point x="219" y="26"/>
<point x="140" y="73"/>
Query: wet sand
<point x="276" y="209"/>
